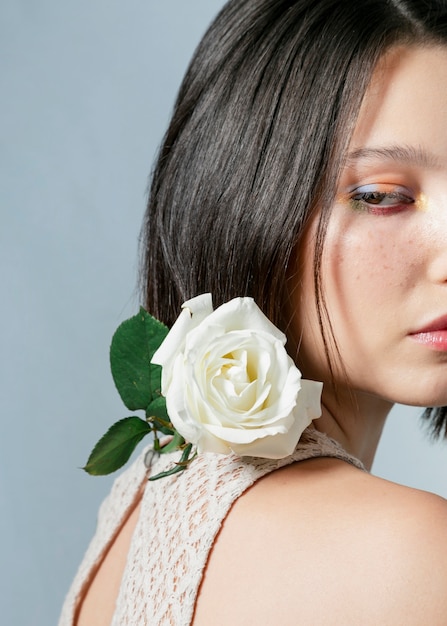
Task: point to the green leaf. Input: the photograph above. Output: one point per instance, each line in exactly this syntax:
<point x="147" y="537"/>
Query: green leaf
<point x="157" y="414"/>
<point x="157" y="408"/>
<point x="133" y="345"/>
<point x="116" y="446"/>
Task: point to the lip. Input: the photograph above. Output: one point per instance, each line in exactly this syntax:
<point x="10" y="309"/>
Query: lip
<point x="433" y="335"/>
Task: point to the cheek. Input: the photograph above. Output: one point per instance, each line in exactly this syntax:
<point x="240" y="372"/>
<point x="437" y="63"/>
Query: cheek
<point x="366" y="272"/>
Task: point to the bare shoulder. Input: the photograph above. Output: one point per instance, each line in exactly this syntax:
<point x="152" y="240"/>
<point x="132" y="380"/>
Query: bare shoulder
<point x="321" y="542"/>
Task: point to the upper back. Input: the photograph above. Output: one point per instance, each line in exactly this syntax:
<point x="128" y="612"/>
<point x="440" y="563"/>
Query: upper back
<point x="321" y="542"/>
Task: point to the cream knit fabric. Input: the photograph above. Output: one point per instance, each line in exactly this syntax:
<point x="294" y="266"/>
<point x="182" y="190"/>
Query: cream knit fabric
<point x="179" y="519"/>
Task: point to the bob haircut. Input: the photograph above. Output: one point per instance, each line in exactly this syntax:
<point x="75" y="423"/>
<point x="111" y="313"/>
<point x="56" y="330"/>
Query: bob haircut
<point x="256" y="144"/>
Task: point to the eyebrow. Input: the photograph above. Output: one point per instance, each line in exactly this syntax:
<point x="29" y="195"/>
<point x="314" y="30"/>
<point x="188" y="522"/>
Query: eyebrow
<point x="402" y="153"/>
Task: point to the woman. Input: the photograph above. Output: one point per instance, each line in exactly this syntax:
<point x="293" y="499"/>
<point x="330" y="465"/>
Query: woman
<point x="305" y="166"/>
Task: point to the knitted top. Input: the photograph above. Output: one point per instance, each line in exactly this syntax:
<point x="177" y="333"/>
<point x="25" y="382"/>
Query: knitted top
<point x="179" y="519"/>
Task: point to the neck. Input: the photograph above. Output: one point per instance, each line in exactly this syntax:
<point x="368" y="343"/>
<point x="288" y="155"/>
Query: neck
<point x="355" y="420"/>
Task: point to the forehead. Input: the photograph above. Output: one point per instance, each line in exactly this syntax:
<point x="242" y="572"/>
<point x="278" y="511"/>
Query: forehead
<point x="406" y="102"/>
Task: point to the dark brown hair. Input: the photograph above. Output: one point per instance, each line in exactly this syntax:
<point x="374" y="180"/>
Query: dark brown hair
<point x="256" y="142"/>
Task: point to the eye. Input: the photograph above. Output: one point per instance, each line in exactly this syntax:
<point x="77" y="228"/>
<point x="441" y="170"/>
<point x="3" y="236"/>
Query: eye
<point x="381" y="199"/>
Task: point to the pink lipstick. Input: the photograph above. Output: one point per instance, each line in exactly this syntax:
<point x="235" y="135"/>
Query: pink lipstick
<point x="434" y="335"/>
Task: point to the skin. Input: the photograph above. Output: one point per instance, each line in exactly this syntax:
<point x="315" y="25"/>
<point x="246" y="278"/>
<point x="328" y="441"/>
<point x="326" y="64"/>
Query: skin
<point x="321" y="542"/>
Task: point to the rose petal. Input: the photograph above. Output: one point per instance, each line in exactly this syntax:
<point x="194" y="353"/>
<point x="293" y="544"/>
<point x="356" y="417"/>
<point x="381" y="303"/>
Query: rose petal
<point x="208" y="443"/>
<point x="194" y="311"/>
<point x="243" y="313"/>
<point x="178" y="409"/>
<point x="244" y="436"/>
<point x="309" y="398"/>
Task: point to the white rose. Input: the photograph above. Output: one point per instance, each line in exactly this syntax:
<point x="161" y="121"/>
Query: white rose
<point x="230" y="384"/>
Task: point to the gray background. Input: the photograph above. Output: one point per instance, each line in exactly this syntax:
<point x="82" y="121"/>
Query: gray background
<point x="86" y="91"/>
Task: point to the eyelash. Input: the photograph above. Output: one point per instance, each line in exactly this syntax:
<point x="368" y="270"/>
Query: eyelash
<point x="369" y="198"/>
